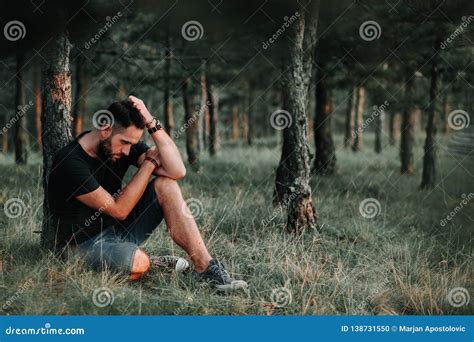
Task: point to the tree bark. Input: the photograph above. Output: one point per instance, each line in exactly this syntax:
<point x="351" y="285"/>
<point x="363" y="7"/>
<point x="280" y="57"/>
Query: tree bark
<point x="408" y="129"/>
<point x="167" y="104"/>
<point x="250" y="116"/>
<point x="428" y="180"/>
<point x="235" y="123"/>
<point x="325" y="160"/>
<point x="20" y="137"/>
<point x="358" y="118"/>
<point x="204" y="113"/>
<point x="445" y="113"/>
<point x="191" y="122"/>
<point x="378" y="125"/>
<point x="82" y="90"/>
<point x="392" y="128"/>
<point x="350" y="113"/>
<point x="37" y="90"/>
<point x="5" y="140"/>
<point x="213" y="116"/>
<point x="56" y="117"/>
<point x="292" y="188"/>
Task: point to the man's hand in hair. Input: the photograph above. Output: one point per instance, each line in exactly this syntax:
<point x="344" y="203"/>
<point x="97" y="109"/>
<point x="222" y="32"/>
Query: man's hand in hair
<point x="140" y="106"/>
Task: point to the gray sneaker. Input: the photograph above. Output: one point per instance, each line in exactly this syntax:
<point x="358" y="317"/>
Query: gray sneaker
<point x="169" y="263"/>
<point x="217" y="276"/>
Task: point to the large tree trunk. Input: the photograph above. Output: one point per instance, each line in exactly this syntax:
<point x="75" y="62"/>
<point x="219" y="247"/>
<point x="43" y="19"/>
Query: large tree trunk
<point x="191" y="122"/>
<point x="56" y="117"/>
<point x="429" y="157"/>
<point x="358" y="118"/>
<point x="213" y="116"/>
<point x="325" y="160"/>
<point x="292" y="188"/>
<point x="378" y="125"/>
<point x="82" y="90"/>
<point x="408" y="129"/>
<point x="350" y="113"/>
<point x="167" y="104"/>
<point x="37" y="90"/>
<point x="20" y="138"/>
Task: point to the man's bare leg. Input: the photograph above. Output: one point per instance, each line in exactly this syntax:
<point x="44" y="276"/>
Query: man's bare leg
<point x="182" y="227"/>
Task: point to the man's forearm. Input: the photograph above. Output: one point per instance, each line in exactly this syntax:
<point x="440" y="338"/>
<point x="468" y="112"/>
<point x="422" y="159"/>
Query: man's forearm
<point x="132" y="192"/>
<point x="170" y="157"/>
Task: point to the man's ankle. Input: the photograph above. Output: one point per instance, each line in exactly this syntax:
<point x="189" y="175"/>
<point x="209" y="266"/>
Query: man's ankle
<point x="200" y="265"/>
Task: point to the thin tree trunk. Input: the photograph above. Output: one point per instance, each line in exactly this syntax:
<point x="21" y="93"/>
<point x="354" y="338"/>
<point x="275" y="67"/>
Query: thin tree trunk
<point x="408" y="129"/>
<point x="428" y="180"/>
<point x="358" y="117"/>
<point x="392" y="129"/>
<point x="445" y="113"/>
<point x="245" y="126"/>
<point x="325" y="160"/>
<point x="350" y="113"/>
<point x="20" y="138"/>
<point x="191" y="122"/>
<point x="121" y="92"/>
<point x="235" y="123"/>
<point x="204" y="136"/>
<point x="213" y="116"/>
<point x="250" y="116"/>
<point x="37" y="90"/>
<point x="5" y="139"/>
<point x="167" y="104"/>
<point x="56" y="117"/>
<point x="378" y="125"/>
<point x="82" y="90"/>
<point x="292" y="188"/>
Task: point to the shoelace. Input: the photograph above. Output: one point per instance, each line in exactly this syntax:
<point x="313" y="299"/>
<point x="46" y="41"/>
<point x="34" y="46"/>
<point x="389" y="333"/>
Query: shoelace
<point x="221" y="272"/>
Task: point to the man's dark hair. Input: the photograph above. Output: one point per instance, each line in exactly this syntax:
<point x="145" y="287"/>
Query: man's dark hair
<point x="125" y="114"/>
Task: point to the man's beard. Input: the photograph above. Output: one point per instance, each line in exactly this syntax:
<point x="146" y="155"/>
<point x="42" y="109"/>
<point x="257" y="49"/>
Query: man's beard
<point x="104" y="151"/>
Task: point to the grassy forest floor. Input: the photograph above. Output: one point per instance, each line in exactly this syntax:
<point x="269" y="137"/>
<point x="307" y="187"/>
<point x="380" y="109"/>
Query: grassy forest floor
<point x="402" y="261"/>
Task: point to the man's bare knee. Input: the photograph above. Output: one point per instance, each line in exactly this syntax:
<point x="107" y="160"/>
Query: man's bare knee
<point x="165" y="188"/>
<point x="141" y="265"/>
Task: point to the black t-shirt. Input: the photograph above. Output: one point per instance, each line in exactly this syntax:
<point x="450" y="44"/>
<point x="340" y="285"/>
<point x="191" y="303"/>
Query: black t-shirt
<point x="76" y="173"/>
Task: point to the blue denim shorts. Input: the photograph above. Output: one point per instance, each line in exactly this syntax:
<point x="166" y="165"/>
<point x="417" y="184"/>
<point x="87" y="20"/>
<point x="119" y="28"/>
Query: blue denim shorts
<point x="115" y="246"/>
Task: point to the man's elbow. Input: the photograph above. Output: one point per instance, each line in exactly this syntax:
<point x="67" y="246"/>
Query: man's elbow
<point x="118" y="214"/>
<point x="180" y="173"/>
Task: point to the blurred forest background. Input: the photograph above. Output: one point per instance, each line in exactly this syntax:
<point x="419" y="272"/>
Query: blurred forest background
<point x="329" y="148"/>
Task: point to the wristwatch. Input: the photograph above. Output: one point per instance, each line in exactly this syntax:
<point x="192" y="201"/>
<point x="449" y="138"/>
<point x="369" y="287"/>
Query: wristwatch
<point x="157" y="165"/>
<point x="154" y="125"/>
